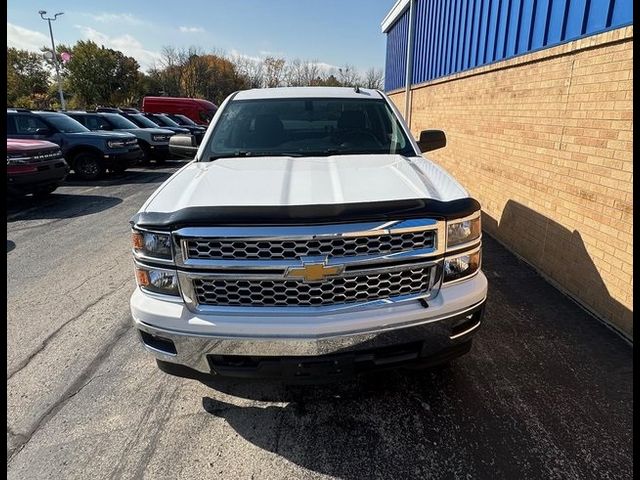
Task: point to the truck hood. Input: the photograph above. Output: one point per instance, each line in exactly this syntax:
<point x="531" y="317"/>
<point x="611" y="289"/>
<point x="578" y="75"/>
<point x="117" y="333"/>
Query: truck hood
<point x="15" y="145"/>
<point x="287" y="181"/>
<point x="104" y="134"/>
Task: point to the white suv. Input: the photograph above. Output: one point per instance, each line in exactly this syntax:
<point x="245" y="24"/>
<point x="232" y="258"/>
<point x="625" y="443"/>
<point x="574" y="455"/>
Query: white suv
<point x="308" y="238"/>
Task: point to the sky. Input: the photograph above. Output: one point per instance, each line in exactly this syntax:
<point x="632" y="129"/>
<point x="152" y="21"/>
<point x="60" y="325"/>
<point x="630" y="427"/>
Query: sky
<point x="331" y="32"/>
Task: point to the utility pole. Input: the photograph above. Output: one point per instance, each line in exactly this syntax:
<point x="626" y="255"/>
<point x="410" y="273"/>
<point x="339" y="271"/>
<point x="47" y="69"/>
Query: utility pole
<point x="55" y="56"/>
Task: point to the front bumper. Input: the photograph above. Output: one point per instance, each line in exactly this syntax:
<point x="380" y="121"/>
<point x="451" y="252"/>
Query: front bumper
<point x="160" y="150"/>
<point x="48" y="174"/>
<point x="127" y="158"/>
<point x="176" y="335"/>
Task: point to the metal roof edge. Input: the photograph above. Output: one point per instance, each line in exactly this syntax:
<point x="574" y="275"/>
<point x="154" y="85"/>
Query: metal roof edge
<point x="396" y="11"/>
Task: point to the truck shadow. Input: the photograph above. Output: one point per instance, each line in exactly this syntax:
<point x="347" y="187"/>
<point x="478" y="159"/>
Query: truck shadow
<point x="367" y="427"/>
<point x="560" y="254"/>
<point x="543" y="376"/>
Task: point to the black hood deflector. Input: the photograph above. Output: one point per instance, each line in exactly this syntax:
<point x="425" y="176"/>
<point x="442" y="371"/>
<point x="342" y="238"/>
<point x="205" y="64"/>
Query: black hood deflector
<point x="306" y="214"/>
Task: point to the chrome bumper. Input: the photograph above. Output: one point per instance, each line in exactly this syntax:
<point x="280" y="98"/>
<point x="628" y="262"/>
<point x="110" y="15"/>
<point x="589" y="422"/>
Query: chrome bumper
<point x="191" y="349"/>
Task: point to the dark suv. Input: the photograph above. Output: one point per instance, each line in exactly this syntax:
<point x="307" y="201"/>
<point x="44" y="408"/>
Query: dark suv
<point x="154" y="142"/>
<point x="88" y="153"/>
<point x="196" y="130"/>
<point x="165" y="122"/>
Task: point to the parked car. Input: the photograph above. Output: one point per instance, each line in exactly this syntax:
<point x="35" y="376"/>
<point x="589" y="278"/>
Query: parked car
<point x="165" y="121"/>
<point x="184" y="120"/>
<point x="154" y="142"/>
<point x="34" y="166"/>
<point x="88" y="153"/>
<point x="197" y="109"/>
<point x="308" y="237"/>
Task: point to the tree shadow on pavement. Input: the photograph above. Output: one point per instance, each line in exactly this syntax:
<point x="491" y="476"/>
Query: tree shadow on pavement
<point x="58" y="206"/>
<point x="149" y="174"/>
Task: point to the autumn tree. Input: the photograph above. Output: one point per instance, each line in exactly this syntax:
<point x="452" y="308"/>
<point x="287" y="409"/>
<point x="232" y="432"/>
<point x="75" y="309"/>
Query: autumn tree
<point x="28" y="79"/>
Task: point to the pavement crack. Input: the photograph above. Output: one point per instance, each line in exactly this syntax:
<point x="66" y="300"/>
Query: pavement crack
<point x="24" y="363"/>
<point x="84" y="379"/>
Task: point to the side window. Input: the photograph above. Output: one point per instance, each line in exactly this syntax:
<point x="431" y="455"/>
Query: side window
<point x="11" y="125"/>
<point x="28" y="124"/>
<point x="92" y="122"/>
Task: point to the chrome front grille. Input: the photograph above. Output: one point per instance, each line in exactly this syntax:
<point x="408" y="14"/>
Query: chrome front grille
<point x="284" y="269"/>
<point x="285" y="249"/>
<point x="294" y="293"/>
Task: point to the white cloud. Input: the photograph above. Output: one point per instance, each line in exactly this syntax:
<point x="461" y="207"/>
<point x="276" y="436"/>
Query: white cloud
<point x="127" y="44"/>
<point x="115" y="18"/>
<point x="267" y="53"/>
<point x="192" y="29"/>
<point x="25" y="39"/>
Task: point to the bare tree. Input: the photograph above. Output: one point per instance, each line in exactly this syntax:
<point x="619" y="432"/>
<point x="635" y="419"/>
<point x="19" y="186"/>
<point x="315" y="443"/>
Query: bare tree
<point x="373" y="78"/>
<point x="348" y="76"/>
<point x="274" y="71"/>
<point x="250" y="70"/>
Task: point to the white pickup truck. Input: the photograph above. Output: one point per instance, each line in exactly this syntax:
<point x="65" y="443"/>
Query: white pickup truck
<point x="308" y="238"/>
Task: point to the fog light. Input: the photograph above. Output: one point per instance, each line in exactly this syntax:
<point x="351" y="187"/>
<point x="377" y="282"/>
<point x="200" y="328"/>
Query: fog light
<point x="157" y="280"/>
<point x="461" y="266"/>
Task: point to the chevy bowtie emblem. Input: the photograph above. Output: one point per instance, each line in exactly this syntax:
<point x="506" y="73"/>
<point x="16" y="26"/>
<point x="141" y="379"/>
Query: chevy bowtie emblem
<point x="314" y="271"/>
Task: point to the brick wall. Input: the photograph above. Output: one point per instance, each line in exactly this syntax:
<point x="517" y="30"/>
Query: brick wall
<point x="544" y="142"/>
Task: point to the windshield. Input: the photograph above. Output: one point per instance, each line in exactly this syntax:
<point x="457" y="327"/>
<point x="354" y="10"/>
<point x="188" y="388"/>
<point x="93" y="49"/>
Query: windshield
<point x="65" y="124"/>
<point x="326" y="126"/>
<point x="118" y="121"/>
<point x="142" y="121"/>
<point x="182" y="120"/>
<point x="164" y="121"/>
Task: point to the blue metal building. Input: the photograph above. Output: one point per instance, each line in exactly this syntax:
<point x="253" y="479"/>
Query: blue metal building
<point x="427" y="39"/>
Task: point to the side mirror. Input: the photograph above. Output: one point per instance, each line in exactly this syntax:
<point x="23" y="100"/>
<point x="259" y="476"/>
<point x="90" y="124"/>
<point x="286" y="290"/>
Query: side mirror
<point x="104" y="126"/>
<point x="183" y="146"/>
<point x="45" y="132"/>
<point x="432" y="140"/>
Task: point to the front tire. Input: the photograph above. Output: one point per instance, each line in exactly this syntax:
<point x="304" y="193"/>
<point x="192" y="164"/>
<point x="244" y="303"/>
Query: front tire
<point x="88" y="166"/>
<point x="146" y="153"/>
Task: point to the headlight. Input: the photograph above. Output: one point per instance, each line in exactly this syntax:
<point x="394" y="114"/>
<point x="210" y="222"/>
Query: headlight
<point x="151" y="244"/>
<point x="463" y="231"/>
<point x="115" y="143"/>
<point x="157" y="280"/>
<point x="462" y="265"/>
<point x="18" y="160"/>
<point x="160" y="138"/>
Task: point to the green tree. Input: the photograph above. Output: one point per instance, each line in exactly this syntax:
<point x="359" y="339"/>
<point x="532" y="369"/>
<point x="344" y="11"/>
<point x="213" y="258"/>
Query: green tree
<point x="27" y="79"/>
<point x="100" y="76"/>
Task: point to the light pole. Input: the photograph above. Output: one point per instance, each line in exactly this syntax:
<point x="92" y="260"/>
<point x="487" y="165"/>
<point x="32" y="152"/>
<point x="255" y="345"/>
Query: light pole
<point x="55" y="57"/>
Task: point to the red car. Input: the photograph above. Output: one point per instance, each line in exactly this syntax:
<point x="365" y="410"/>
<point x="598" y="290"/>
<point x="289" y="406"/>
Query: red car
<point x="34" y="166"/>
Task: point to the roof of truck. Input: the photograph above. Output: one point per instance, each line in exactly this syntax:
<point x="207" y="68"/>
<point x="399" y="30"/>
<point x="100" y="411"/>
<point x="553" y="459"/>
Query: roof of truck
<point x="307" y="92"/>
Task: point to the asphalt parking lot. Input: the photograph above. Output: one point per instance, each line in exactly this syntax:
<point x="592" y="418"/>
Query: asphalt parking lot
<point x="546" y="391"/>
